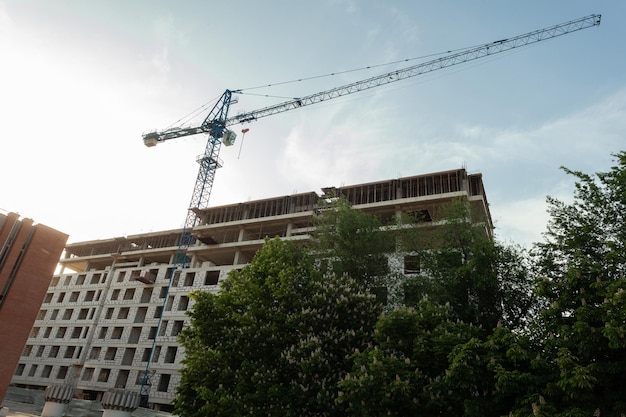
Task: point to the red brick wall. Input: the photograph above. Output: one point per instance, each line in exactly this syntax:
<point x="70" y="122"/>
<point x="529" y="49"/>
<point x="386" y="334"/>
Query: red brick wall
<point x="23" y="294"/>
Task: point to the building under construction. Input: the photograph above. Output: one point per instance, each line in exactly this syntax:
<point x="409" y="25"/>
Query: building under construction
<point x="119" y="303"/>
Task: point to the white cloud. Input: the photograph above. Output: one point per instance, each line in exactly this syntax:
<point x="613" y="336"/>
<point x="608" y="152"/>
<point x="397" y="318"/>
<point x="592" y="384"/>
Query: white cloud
<point x="521" y="167"/>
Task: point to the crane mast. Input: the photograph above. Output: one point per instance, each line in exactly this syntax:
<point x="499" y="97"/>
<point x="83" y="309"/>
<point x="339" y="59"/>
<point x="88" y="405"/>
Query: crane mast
<point x="216" y="125"/>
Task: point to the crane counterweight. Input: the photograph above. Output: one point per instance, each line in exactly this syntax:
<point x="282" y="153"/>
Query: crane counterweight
<point x="150" y="140"/>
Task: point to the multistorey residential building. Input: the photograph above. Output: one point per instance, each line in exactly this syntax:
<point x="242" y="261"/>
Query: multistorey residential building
<point x="119" y="302"/>
<point x="29" y="253"/>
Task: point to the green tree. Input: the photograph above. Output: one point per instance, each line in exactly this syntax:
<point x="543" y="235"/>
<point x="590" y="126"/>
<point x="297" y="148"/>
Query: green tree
<point x="349" y="241"/>
<point x="483" y="281"/>
<point x="403" y="373"/>
<point x="275" y="340"/>
<point x="443" y="352"/>
<point x="582" y="329"/>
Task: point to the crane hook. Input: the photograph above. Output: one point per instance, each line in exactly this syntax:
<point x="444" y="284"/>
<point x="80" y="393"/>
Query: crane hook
<point x="243" y="135"/>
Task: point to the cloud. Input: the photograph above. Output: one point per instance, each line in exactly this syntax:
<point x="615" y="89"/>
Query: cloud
<point x="6" y="24"/>
<point x="521" y="221"/>
<point x="160" y="61"/>
<point x="521" y="166"/>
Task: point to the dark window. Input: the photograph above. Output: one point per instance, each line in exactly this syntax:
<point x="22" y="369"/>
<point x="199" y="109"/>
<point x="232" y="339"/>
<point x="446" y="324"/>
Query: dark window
<point x="110" y="354"/>
<point x="140" y="315"/>
<point x="146" y="294"/>
<point x="189" y="279"/>
<point x="123" y="313"/>
<point x="95" y="352"/>
<point x="135" y="334"/>
<point x="122" y="378"/>
<point x="175" y="279"/>
<point x="183" y="303"/>
<point x="88" y="374"/>
<point x="82" y="314"/>
<point x="27" y="350"/>
<point x="129" y="294"/>
<point x="211" y="277"/>
<point x="104" y="375"/>
<point x="146" y="354"/>
<point x="177" y="327"/>
<point x="103" y="332"/>
<point x="170" y="354"/>
<point x="62" y="373"/>
<point x="117" y="333"/>
<point x="157" y="353"/>
<point x="129" y="355"/>
<point x="164" y="383"/>
<point x="69" y="352"/>
<point x="412" y="264"/>
<point x="20" y="369"/>
<point x="163" y="328"/>
<point x="95" y="279"/>
<point x="54" y="351"/>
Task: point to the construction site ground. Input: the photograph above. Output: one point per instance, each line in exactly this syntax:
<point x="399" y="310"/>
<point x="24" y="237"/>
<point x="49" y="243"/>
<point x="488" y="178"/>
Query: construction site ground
<point x="30" y="403"/>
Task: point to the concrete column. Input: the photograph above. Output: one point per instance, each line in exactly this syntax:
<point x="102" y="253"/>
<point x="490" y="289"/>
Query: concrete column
<point x="57" y="397"/>
<point x="119" y="403"/>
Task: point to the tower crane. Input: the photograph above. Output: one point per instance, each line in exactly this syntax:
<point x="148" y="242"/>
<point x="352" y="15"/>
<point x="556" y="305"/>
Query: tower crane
<point x="216" y="124"/>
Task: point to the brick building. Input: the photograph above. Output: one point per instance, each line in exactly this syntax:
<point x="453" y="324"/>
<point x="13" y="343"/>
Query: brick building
<point x="29" y="253"/>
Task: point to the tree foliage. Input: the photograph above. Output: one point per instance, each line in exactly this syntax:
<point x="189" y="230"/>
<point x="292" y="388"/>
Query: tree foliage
<point x="403" y="373"/>
<point x="483" y="281"/>
<point x="275" y="340"/>
<point x="287" y="335"/>
<point x="351" y="242"/>
<point x="581" y="266"/>
<point x="437" y="354"/>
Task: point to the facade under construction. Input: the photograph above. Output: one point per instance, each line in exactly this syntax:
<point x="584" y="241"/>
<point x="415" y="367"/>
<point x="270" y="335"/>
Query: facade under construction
<point x="115" y="309"/>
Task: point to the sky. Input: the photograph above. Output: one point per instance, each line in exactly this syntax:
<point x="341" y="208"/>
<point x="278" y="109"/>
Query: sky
<point x="81" y="80"/>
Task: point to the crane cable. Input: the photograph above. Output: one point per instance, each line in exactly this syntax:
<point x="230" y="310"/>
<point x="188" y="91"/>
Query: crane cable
<point x="242" y="90"/>
<point x="202" y="108"/>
